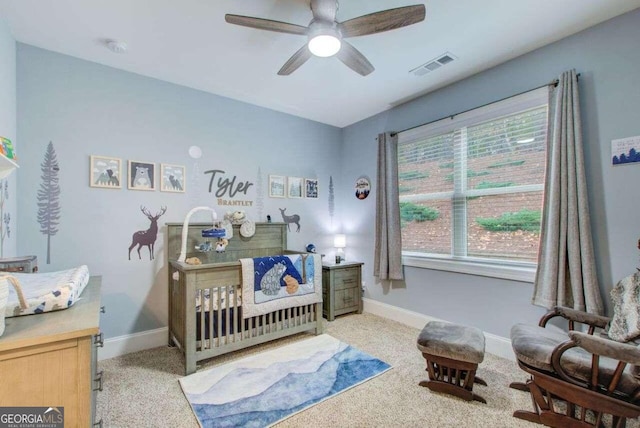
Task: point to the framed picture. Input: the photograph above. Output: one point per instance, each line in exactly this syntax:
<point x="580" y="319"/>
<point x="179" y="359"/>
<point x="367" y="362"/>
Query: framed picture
<point x="310" y="187"/>
<point x="105" y="171"/>
<point x="142" y="175"/>
<point x="277" y="186"/>
<point x="294" y="187"/>
<point x="172" y="178"/>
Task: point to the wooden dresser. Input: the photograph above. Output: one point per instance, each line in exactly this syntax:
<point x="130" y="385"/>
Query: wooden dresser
<point x="50" y="359"/>
<point x="341" y="289"/>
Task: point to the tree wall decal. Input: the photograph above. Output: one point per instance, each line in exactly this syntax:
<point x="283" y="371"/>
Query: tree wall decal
<point x="332" y="204"/>
<point x="5" y="218"/>
<point x="49" y="197"/>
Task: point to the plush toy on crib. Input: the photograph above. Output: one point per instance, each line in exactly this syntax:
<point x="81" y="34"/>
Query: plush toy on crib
<point x="236" y="217"/>
<point x="221" y="245"/>
<point x="247" y="227"/>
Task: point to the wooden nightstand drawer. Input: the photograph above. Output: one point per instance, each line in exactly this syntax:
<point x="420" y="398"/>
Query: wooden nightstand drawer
<point x="346" y="278"/>
<point x="341" y="291"/>
<point x="346" y="299"/>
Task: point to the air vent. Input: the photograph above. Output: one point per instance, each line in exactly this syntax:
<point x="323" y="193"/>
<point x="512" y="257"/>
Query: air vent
<point x="434" y="64"/>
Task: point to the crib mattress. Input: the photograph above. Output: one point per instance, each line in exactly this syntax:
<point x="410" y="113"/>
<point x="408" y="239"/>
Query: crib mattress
<point x="46" y="292"/>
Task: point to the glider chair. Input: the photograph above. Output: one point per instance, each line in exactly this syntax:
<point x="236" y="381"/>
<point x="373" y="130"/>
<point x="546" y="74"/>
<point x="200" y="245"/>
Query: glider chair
<point x="579" y="378"/>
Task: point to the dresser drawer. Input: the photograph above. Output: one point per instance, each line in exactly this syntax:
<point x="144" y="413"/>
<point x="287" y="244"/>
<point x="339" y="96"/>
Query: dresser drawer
<point x="346" y="278"/>
<point x="346" y="299"/>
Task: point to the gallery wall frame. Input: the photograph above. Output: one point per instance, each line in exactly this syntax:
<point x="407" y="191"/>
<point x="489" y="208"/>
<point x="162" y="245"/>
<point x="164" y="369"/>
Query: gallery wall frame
<point x="295" y="187"/>
<point x="142" y="175"/>
<point x="105" y="172"/>
<point x="172" y="178"/>
<point x="277" y="186"/>
<point x="311" y="188"/>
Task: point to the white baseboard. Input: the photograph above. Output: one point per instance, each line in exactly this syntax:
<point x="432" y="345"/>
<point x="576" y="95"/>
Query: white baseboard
<point x="135" y="342"/>
<point x="496" y="345"/>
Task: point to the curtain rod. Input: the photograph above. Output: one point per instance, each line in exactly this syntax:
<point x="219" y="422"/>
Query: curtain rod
<point x="451" y="116"/>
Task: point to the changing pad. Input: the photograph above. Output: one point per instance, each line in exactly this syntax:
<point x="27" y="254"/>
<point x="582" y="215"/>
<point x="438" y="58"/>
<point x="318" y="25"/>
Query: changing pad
<point x="46" y="292"/>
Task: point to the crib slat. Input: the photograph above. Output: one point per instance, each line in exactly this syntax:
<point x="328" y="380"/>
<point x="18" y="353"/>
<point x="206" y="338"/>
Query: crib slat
<point x="227" y="333"/>
<point x="238" y="312"/>
<point x="219" y="318"/>
<point x="200" y="294"/>
<point x="275" y="321"/>
<point x="211" y="315"/>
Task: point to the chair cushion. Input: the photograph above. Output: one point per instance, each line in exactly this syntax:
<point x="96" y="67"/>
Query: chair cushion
<point x="452" y="341"/>
<point x="533" y="345"/>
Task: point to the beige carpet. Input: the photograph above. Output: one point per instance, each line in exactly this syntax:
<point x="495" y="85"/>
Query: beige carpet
<point x="142" y="389"/>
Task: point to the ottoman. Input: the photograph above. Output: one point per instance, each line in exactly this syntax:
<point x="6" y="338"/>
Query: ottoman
<point x="453" y="353"/>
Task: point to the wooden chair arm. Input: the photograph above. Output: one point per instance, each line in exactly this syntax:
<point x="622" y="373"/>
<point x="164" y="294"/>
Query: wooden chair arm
<point x="574" y="316"/>
<point x="603" y="347"/>
<point x="597" y="347"/>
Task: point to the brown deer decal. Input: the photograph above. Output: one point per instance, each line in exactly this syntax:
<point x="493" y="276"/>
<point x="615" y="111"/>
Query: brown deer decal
<point x="290" y="219"/>
<point x="146" y="237"/>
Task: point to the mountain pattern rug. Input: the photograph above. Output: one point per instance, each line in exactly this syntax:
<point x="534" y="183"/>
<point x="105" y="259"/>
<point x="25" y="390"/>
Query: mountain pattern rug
<point x="265" y="388"/>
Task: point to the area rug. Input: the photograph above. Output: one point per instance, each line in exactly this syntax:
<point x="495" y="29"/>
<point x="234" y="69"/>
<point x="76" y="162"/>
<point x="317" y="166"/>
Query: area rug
<point x="263" y="389"/>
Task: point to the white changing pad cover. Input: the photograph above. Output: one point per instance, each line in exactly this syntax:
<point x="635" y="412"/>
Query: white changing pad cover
<point x="46" y="292"/>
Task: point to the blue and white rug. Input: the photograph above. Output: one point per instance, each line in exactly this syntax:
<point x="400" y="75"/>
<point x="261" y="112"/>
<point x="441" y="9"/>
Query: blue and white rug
<point x="265" y="388"/>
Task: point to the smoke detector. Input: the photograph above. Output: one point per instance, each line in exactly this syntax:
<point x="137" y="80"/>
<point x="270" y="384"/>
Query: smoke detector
<point x="434" y="64"/>
<point x="117" y="47"/>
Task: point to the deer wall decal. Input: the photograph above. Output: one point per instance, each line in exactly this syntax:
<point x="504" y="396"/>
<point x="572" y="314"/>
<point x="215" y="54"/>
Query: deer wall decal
<point x="290" y="219"/>
<point x="147" y="237"/>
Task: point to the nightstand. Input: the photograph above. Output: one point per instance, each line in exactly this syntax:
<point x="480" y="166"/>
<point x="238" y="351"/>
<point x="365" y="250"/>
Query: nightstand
<point x="341" y="289"/>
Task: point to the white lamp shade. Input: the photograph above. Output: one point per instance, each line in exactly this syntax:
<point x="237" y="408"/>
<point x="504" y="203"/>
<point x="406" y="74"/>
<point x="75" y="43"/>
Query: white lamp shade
<point x="340" y="241"/>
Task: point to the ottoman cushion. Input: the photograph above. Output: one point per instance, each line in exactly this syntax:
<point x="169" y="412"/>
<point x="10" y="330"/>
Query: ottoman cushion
<point x="452" y="341"/>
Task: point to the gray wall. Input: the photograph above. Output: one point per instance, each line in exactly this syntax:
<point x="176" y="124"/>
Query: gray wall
<point x="89" y="109"/>
<point x="608" y="59"/>
<point x="8" y="128"/>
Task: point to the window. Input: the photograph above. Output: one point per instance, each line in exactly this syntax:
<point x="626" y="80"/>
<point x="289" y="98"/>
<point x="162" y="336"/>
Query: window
<point x="471" y="189"/>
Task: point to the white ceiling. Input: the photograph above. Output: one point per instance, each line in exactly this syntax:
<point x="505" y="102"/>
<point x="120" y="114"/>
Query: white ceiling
<point x="188" y="42"/>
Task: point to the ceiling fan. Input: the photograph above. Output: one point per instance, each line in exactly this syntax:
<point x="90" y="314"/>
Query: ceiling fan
<point x="326" y="35"/>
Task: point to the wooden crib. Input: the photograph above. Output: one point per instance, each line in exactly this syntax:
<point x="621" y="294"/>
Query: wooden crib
<point x="205" y="312"/>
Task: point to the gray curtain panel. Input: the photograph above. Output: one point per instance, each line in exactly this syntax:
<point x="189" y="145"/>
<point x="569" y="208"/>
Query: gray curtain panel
<point x="566" y="274"/>
<point x="388" y="244"/>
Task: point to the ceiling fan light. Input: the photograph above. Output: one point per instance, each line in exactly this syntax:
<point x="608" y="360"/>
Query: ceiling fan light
<point x="324" y="45"/>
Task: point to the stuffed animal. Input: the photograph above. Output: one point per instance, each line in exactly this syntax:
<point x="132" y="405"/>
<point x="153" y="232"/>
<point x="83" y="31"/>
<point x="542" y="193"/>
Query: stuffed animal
<point x="193" y="261"/>
<point x="292" y="284"/>
<point x="221" y="245"/>
<point x="236" y="217"/>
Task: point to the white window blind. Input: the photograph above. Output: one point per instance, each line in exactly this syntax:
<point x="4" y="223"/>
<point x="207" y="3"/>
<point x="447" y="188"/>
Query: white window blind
<point x="471" y="186"/>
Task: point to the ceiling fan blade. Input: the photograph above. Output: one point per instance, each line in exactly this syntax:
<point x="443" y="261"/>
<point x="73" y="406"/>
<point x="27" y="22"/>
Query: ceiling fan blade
<point x="293" y="63"/>
<point x="324" y="10"/>
<point x="384" y="20"/>
<point x="353" y="59"/>
<point x="266" y="24"/>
